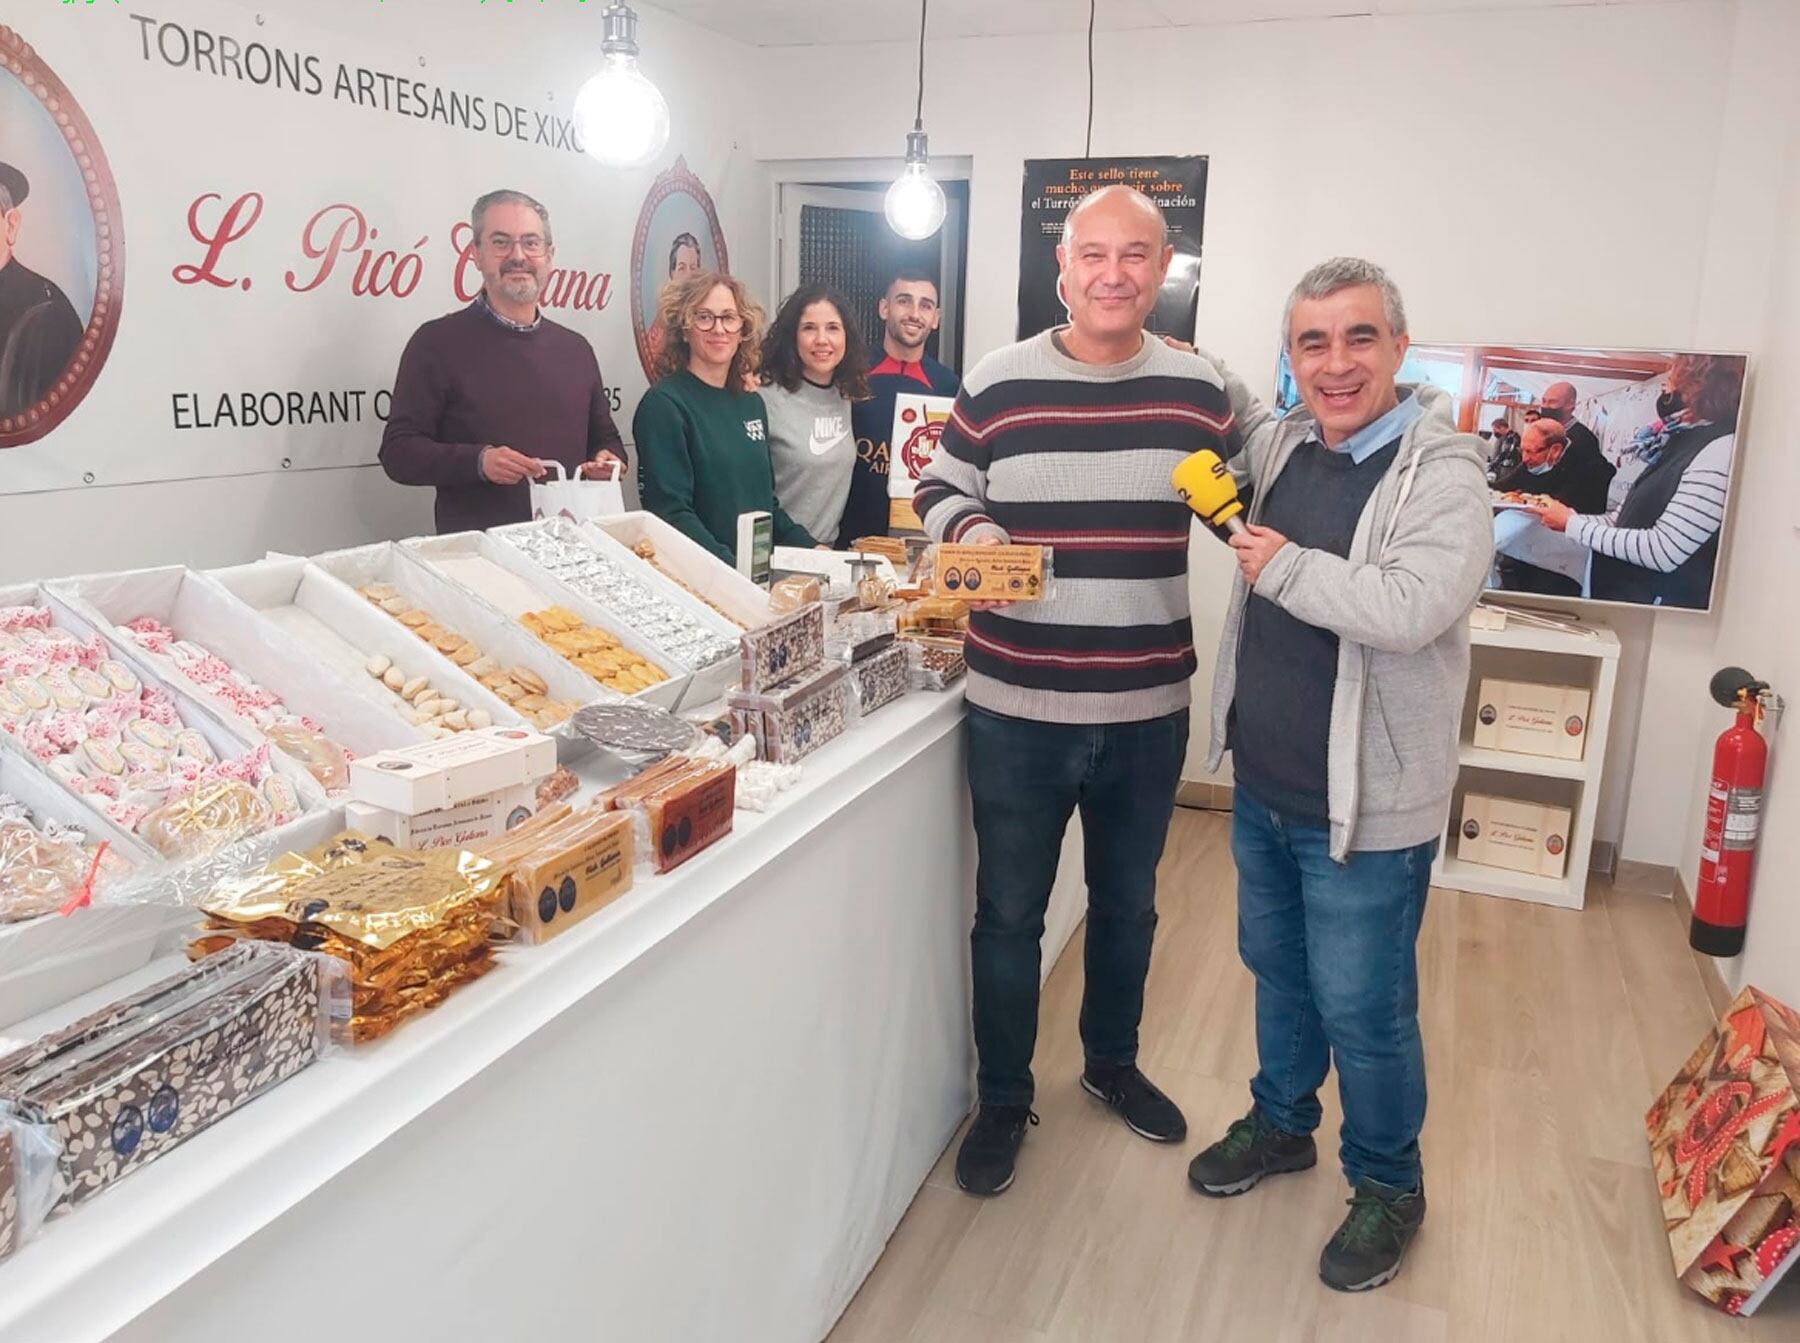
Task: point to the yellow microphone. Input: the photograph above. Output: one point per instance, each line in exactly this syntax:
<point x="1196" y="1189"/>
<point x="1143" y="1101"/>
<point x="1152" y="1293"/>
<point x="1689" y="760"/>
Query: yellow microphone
<point x="1206" y="486"/>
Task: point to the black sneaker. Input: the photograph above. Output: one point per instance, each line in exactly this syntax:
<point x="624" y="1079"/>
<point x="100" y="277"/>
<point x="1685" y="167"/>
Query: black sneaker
<point x="984" y="1163"/>
<point x="1367" y="1249"/>
<point x="1250" y="1149"/>
<point x="1145" y="1110"/>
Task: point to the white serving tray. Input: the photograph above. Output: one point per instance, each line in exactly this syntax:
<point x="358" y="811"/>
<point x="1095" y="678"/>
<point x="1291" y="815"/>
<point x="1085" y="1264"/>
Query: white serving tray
<point x="199" y="608"/>
<point x="347" y="631"/>
<point x="706" y="684"/>
<point x="227" y="740"/>
<point x="426" y="551"/>
<point x="744" y="602"/>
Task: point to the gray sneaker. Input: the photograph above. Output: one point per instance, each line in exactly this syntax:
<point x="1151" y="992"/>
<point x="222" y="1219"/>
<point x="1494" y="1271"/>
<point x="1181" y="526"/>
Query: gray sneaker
<point x="1250" y="1149"/>
<point x="1367" y="1249"/>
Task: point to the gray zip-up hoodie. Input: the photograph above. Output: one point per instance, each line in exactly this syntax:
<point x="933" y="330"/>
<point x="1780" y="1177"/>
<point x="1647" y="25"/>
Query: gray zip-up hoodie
<point x="1399" y="605"/>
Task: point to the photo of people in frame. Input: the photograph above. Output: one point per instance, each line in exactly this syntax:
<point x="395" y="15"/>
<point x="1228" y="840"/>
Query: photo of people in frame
<point x="1611" y="470"/>
<point x="61" y="253"/>
<point x="678" y="235"/>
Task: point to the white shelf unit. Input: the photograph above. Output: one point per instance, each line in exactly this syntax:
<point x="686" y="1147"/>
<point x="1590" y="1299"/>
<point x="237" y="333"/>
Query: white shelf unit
<point x="1588" y="656"/>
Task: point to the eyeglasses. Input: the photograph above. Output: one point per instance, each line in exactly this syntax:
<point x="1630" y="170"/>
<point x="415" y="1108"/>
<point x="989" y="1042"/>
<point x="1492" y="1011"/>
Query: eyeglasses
<point x="727" y="322"/>
<point x="531" y="244"/>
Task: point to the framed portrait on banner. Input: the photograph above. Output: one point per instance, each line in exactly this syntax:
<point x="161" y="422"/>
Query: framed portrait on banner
<point x="678" y="234"/>
<point x="62" y="248"/>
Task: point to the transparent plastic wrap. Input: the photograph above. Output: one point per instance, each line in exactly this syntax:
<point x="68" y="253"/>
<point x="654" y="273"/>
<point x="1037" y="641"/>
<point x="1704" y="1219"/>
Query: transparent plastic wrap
<point x="798" y="719"/>
<point x="136" y="1079"/>
<point x="30" y="1177"/>
<point x="563" y="865"/>
<point x="681" y="805"/>
<point x="992" y="573"/>
<point x="935" y="664"/>
<point x="934" y="618"/>
<point x="319" y="755"/>
<point x="855" y="634"/>
<point x="411" y="926"/>
<point x="787" y="595"/>
<point x="881" y="678"/>
<point x="48" y="867"/>
<point x="783" y="651"/>
<point x="211" y="816"/>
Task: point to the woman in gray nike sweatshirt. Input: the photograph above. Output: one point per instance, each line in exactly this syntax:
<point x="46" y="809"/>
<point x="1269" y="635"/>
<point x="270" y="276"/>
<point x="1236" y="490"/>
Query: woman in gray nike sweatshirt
<point x="814" y="364"/>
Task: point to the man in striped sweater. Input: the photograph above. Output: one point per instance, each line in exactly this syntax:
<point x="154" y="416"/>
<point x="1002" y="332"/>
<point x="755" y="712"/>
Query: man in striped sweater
<point x="1079" y="701"/>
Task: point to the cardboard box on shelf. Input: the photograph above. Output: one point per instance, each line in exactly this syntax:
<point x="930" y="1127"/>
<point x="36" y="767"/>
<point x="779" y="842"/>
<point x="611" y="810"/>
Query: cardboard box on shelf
<point x="1532" y="718"/>
<point x="1519" y="836"/>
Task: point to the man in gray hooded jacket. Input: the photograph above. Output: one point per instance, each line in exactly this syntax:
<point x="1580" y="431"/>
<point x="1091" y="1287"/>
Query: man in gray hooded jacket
<point x="1339" y="692"/>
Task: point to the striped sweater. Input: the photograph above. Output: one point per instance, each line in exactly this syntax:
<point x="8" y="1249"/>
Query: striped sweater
<point x="1042" y="449"/>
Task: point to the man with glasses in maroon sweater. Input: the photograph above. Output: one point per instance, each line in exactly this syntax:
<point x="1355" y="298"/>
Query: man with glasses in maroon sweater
<point x="487" y="396"/>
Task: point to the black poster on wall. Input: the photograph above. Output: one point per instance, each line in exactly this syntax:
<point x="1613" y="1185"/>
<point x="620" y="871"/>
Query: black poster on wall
<point x="1052" y="189"/>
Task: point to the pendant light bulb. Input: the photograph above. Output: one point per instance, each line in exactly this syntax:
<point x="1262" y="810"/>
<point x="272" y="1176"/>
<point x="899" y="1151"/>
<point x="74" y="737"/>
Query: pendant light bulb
<point x="915" y="202"/>
<point x="621" y="118"/>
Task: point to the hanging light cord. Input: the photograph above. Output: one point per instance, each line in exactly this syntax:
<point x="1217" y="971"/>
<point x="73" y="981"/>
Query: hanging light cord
<point x="1087" y="153"/>
<point x="919" y="113"/>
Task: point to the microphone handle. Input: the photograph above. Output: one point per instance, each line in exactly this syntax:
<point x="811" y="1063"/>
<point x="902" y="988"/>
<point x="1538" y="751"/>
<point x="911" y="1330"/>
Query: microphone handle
<point x="1235" y="525"/>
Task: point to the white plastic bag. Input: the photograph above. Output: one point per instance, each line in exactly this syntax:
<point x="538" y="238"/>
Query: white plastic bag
<point x="579" y="500"/>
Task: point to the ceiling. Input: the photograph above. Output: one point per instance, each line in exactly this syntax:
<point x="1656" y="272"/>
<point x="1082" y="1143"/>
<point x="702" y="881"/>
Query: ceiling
<point x="783" y="23"/>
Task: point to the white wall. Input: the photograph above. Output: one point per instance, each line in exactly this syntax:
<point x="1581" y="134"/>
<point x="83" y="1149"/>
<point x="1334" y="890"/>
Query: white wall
<point x="226" y="519"/>
<point x="1751" y="284"/>
<point x="1360" y="135"/>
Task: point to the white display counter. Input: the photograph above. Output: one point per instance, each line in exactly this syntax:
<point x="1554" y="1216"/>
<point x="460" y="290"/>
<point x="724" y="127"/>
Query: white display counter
<point x="696" y="1116"/>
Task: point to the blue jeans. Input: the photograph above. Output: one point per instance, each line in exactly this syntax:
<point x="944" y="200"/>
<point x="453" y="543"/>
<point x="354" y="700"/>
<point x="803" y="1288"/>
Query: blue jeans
<point x="1332" y="946"/>
<point x="1027" y="779"/>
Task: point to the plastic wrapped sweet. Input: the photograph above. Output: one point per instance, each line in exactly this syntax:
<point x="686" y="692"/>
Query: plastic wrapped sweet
<point x="318" y="754"/>
<point x="45" y="867"/>
<point x="783" y="651"/>
<point x="683" y="805"/>
<point x="561" y="866"/>
<point x="935" y="664"/>
<point x="609" y="583"/>
<point x="791" y="723"/>
<point x="881" y="678"/>
<point x="204" y="819"/>
<point x="411" y="926"/>
<point x="131" y="1082"/>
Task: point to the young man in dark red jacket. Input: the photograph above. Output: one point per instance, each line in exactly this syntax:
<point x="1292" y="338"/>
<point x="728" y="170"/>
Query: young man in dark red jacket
<point x="909" y="314"/>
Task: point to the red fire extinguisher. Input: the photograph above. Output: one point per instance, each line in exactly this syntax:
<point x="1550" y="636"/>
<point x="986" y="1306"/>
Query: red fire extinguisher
<point x="1733" y="818"/>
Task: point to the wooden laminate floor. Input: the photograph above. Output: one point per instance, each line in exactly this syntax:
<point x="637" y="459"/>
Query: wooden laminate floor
<point x="1546" y="1033"/>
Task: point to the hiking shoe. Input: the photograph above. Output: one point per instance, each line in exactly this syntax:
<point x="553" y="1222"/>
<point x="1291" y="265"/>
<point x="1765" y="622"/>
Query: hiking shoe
<point x="1145" y="1110"/>
<point x="1251" y="1148"/>
<point x="984" y="1163"/>
<point x="1367" y="1249"/>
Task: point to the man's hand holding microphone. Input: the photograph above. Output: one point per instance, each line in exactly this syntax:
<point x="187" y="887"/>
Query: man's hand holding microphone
<point x="1206" y="486"/>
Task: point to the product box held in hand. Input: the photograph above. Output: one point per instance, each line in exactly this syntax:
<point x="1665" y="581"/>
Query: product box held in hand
<point x="1519" y="836"/>
<point x="992" y="573"/>
<point x="1532" y="718"/>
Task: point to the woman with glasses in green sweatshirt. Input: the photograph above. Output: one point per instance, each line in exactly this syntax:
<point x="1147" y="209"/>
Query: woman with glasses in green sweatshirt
<point x="702" y="440"/>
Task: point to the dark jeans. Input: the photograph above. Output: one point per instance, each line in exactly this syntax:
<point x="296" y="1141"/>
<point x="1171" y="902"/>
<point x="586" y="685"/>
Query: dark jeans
<point x="1332" y="946"/>
<point x="1027" y="779"/>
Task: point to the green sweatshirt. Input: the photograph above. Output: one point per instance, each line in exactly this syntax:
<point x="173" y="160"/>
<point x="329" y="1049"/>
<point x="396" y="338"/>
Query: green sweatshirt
<point x="703" y="459"/>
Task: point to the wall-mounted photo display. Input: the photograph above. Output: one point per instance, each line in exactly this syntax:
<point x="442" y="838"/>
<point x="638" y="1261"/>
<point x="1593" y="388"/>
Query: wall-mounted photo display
<point x="678" y="235"/>
<point x="1611" y="470"/>
<point x="62" y="249"/>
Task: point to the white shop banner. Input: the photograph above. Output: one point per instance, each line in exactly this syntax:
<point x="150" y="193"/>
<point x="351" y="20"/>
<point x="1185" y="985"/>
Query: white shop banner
<point x="230" y="219"/>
